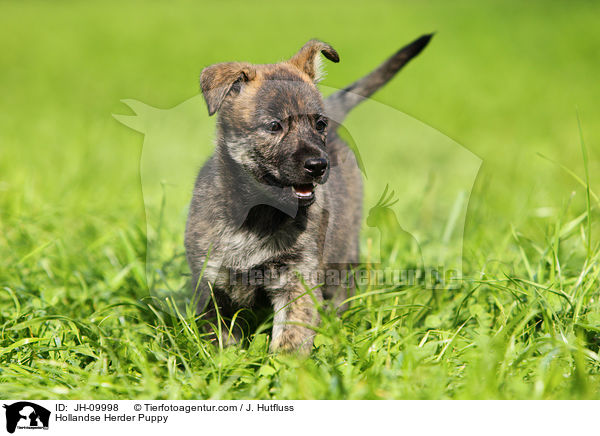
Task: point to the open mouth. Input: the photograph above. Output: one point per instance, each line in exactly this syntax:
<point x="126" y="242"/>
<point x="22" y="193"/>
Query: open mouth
<point x="304" y="192"/>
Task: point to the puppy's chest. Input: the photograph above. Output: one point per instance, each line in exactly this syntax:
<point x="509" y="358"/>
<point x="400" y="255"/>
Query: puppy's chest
<point x="243" y="250"/>
<point x="252" y="264"/>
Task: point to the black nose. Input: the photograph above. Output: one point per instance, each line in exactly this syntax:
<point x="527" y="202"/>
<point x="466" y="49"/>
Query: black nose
<point x="316" y="166"/>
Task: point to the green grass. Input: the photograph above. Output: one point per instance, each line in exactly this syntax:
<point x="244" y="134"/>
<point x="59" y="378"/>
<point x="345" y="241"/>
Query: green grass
<point x="508" y="81"/>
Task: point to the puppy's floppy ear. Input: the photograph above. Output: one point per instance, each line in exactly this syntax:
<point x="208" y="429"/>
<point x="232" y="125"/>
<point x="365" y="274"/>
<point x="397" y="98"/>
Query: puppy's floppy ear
<point x="308" y="60"/>
<point x="219" y="80"/>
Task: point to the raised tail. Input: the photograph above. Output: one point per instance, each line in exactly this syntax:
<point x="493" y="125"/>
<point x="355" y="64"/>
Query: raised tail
<point x="340" y="103"/>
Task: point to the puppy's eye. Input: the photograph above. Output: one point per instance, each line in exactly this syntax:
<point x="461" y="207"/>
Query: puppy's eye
<point x="321" y="124"/>
<point x="274" y="126"/>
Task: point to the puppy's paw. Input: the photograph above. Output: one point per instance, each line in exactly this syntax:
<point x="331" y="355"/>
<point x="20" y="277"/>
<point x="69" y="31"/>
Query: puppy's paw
<point x="293" y="339"/>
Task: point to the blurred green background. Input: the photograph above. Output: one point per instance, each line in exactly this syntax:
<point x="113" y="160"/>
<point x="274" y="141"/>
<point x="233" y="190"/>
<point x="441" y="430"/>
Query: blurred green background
<point x="503" y="79"/>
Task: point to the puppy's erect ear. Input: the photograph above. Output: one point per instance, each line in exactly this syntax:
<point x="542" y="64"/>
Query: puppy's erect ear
<point x="220" y="80"/>
<point x="308" y="60"/>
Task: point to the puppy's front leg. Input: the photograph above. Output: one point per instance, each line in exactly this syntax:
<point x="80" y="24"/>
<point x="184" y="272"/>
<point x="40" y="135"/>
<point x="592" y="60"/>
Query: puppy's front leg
<point x="295" y="312"/>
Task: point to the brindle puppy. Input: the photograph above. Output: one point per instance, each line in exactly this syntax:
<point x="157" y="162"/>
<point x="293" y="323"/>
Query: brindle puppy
<point x="278" y="205"/>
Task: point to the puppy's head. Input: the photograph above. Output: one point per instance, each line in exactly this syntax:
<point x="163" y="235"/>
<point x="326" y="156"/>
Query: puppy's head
<point x="271" y="119"/>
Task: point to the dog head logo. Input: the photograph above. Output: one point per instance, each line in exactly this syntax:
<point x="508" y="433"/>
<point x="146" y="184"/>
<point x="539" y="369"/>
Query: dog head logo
<point x="26" y="415"/>
<point x="432" y="175"/>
